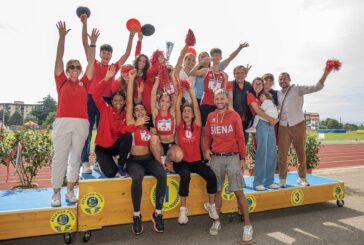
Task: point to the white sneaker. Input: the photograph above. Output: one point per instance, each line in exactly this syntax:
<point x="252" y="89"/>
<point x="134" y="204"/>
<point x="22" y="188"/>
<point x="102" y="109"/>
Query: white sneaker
<point x="183" y="219"/>
<point x="211" y="208"/>
<point x="216" y="226"/>
<point x="248" y="233"/>
<point x="70" y="196"/>
<point x="302" y="181"/>
<point x="56" y="199"/>
<point x="251" y="130"/>
<point x="282" y="183"/>
<point x="273" y="186"/>
<point x="260" y="188"/>
<point x="86" y="169"/>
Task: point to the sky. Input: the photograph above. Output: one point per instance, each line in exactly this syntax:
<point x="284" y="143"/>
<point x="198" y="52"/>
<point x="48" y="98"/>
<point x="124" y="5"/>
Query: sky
<point x="292" y="36"/>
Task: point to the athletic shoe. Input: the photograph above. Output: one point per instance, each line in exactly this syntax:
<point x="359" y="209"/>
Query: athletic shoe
<point x="137" y="225"/>
<point x="248" y="233"/>
<point x="251" y="130"/>
<point x="302" y="181"/>
<point x="216" y="226"/>
<point x="183" y="219"/>
<point x="282" y="183"/>
<point x="260" y="188"/>
<point x="211" y="208"/>
<point x="70" y="196"/>
<point x="56" y="199"/>
<point x="158" y="223"/>
<point x="86" y="169"/>
<point x="273" y="186"/>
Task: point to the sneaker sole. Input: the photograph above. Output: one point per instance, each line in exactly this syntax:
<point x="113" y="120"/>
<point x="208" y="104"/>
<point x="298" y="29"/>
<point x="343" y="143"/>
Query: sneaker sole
<point x="56" y="206"/>
<point x="136" y="233"/>
<point x="155" y="227"/>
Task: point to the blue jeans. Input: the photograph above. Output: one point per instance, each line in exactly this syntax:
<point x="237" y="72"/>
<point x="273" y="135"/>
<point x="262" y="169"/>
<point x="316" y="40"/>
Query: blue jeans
<point x="266" y="154"/>
<point x="93" y="117"/>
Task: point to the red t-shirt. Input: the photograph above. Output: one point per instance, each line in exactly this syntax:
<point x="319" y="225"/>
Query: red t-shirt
<point x="141" y="136"/>
<point x="111" y="125"/>
<point x="99" y="74"/>
<point x="250" y="99"/>
<point x="211" y="82"/>
<point x="116" y="86"/>
<point x="226" y="133"/>
<point x="72" y="97"/>
<point x="164" y="125"/>
<point x="189" y="141"/>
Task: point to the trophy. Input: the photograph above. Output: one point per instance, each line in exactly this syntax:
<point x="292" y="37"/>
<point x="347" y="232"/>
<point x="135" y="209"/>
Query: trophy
<point x="169" y="48"/>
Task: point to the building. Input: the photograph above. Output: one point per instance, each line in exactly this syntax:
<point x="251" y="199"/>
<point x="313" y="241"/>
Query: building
<point x="19" y="106"/>
<point x="312" y="119"/>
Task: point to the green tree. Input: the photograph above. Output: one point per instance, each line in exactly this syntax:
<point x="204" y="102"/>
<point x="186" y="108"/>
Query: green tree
<point x="6" y="115"/>
<point x="16" y="119"/>
<point x="50" y="119"/>
<point x="333" y="123"/>
<point x="46" y="106"/>
<point x="351" y="127"/>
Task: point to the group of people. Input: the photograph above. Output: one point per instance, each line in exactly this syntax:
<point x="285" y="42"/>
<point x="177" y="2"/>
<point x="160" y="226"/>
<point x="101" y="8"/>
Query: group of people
<point x="156" y="118"/>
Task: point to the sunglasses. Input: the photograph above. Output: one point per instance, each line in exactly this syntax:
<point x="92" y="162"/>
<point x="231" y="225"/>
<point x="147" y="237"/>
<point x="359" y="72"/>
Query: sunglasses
<point x="72" y="67"/>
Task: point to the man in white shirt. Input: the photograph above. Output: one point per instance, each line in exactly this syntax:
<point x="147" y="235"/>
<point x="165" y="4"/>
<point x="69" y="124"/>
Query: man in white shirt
<point x="292" y="126"/>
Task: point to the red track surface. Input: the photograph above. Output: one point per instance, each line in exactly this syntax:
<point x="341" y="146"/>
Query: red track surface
<point x="331" y="156"/>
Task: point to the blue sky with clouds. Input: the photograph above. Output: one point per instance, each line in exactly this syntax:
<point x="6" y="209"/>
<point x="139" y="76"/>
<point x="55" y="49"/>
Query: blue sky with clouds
<point x="284" y="35"/>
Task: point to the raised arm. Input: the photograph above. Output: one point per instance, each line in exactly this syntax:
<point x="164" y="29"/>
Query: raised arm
<point x="200" y="72"/>
<point x="140" y="89"/>
<point x="232" y="56"/>
<point x="180" y="60"/>
<point x="178" y="113"/>
<point x="153" y="98"/>
<point x="317" y="87"/>
<point x="62" y="30"/>
<point x="84" y="34"/>
<point x="129" y="98"/>
<point x="138" y="48"/>
<point x="91" y="54"/>
<point x="125" y="56"/>
<point x="196" y="108"/>
<point x="98" y="90"/>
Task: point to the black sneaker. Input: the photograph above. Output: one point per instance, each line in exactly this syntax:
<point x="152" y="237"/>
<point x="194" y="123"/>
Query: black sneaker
<point x="157" y="220"/>
<point x="137" y="225"/>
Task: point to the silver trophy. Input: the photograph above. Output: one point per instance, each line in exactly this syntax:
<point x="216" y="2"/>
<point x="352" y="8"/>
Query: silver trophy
<point x="169" y="48"/>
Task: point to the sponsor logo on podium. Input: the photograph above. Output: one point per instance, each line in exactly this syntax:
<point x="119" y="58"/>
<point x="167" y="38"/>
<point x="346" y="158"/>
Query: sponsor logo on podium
<point x="62" y="221"/>
<point x="252" y="202"/>
<point x="338" y="192"/>
<point x="92" y="203"/>
<point x="171" y="199"/>
<point x="226" y="194"/>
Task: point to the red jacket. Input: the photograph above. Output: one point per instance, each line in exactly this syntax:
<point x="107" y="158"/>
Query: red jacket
<point x="226" y="131"/>
<point x="111" y="125"/>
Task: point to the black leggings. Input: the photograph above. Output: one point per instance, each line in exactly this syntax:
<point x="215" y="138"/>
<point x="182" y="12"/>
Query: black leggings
<point x="137" y="167"/>
<point x="104" y="156"/>
<point x="184" y="169"/>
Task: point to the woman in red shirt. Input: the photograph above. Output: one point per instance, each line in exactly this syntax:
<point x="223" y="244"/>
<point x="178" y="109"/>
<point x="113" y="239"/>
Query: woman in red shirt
<point x="70" y="129"/>
<point x="163" y="144"/>
<point x="188" y="138"/>
<point x="141" y="162"/>
<point x="113" y="135"/>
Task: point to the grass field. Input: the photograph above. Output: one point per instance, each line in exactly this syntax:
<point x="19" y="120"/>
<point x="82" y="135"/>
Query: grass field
<point x="341" y="137"/>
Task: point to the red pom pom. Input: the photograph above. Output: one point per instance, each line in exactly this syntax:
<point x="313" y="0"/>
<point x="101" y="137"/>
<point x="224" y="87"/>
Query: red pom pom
<point x="190" y="38"/>
<point x="155" y="56"/>
<point x="185" y="85"/>
<point x="333" y="64"/>
<point x="126" y="69"/>
<point x="163" y="76"/>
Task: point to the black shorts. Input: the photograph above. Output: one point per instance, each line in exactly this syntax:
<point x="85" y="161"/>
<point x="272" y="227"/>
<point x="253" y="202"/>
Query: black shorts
<point x="205" y="111"/>
<point x="167" y="146"/>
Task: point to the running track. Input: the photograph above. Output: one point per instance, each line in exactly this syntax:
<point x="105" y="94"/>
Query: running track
<point x="331" y="156"/>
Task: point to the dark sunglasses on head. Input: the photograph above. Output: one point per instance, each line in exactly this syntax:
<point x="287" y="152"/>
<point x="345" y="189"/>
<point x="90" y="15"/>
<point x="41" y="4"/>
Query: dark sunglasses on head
<point x="72" y="67"/>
